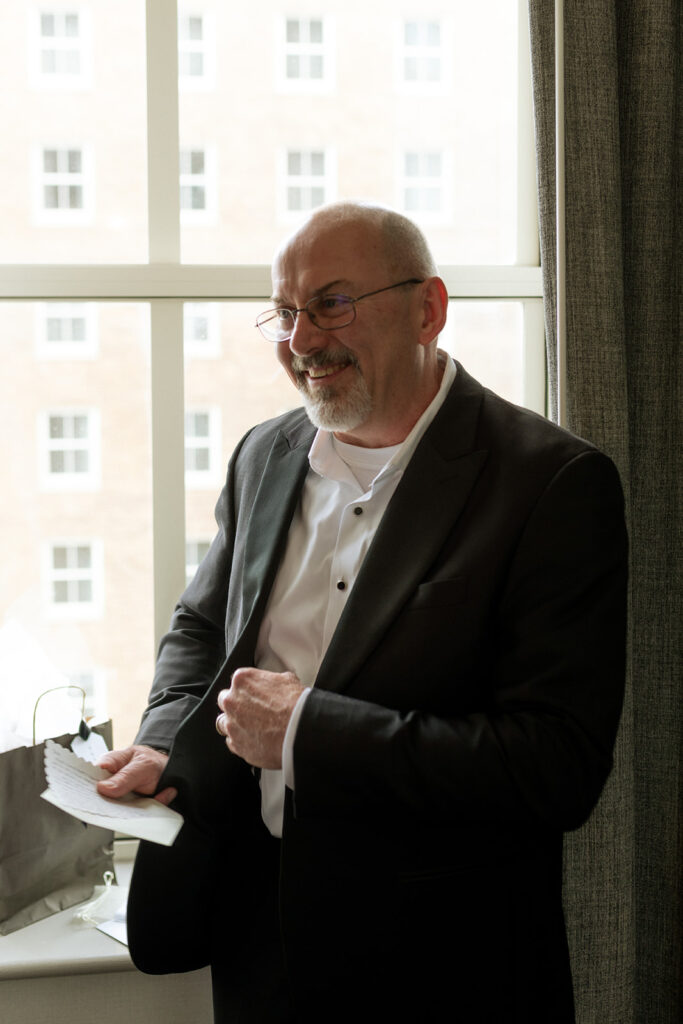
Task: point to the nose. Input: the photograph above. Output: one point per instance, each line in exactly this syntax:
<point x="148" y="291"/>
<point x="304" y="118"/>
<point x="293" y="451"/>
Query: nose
<point x="305" y="337"/>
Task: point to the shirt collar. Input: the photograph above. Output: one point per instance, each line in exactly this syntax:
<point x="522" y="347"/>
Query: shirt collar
<point x="325" y="461"/>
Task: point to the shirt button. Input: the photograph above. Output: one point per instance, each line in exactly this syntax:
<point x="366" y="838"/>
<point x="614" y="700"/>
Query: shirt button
<point x="341" y="585"/>
<point x="358" y="511"/>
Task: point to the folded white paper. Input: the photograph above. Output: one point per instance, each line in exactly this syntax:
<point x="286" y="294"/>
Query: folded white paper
<point x="72" y="787"/>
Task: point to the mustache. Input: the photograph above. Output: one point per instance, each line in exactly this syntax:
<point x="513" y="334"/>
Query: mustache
<point x="321" y="360"/>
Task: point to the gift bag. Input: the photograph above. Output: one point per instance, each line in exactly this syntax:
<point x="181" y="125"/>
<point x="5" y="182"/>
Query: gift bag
<point x="48" y="860"/>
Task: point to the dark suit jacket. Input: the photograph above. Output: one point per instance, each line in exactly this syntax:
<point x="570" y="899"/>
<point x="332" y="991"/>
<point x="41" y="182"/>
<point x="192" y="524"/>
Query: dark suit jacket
<point x="463" y="718"/>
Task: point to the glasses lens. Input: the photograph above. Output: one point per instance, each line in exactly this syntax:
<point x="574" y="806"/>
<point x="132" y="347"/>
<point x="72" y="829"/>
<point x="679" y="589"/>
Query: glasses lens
<point x="276" y="324"/>
<point x="328" y="311"/>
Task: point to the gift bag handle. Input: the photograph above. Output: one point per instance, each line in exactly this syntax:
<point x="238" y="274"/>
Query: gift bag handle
<point x="83" y="730"/>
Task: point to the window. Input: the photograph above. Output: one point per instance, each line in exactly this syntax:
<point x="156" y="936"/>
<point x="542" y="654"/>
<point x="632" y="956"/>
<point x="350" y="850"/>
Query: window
<point x="423" y="185"/>
<point x="110" y="295"/>
<point x="74" y="579"/>
<point x="66" y="330"/>
<point x="201" y="330"/>
<point x="71" y="449"/>
<point x="63" y="179"/>
<point x="195" y="51"/>
<point x="60" y="48"/>
<point x="421" y="55"/>
<point x="308" y="180"/>
<point x="196" y="185"/>
<point x="64" y="185"/>
<point x="306" y="62"/>
<point x="202" y="447"/>
<point x="195" y="551"/>
<point x="93" y="684"/>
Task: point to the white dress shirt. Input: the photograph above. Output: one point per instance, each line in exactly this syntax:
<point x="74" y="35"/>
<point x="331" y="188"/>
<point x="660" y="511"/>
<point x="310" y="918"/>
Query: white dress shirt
<point x="345" y="494"/>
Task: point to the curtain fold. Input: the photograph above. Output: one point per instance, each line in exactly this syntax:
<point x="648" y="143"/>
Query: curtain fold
<point x="622" y="153"/>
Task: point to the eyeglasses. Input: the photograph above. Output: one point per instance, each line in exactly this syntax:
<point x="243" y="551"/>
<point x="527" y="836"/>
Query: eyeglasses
<point x="327" y="312"/>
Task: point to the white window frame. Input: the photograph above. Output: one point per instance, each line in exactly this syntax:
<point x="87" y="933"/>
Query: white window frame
<point x="84" y="179"/>
<point x="442" y="215"/>
<point x="210" y="347"/>
<point x="198" y="479"/>
<point x="165" y="283"/>
<point x="83" y="45"/>
<point x="285" y="180"/>
<point x="74" y="610"/>
<point x="67" y="349"/>
<point x="206" y="180"/>
<point x="422" y="51"/>
<point x="326" y="50"/>
<point x="205" y="46"/>
<point x="89" y="480"/>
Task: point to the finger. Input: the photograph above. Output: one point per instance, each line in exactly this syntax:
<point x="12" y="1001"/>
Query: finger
<point x="221" y="725"/>
<point x="115" y="760"/>
<point x="222" y="697"/>
<point x="167" y="795"/>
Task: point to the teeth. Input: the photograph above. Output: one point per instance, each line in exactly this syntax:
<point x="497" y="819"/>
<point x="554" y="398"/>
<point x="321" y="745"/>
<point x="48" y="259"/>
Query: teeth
<point x="322" y="371"/>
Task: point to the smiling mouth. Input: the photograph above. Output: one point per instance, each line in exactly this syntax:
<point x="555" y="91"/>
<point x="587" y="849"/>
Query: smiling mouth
<point x="317" y="372"/>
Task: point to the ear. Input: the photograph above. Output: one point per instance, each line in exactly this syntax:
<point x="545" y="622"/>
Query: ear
<point x="434" y="309"/>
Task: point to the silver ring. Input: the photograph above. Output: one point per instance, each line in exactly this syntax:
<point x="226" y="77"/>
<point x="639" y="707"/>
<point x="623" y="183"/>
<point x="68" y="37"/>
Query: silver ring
<point x="216" y="724"/>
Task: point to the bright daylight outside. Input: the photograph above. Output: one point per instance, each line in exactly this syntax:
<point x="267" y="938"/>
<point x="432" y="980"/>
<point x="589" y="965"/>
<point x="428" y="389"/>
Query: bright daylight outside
<point x="282" y="107"/>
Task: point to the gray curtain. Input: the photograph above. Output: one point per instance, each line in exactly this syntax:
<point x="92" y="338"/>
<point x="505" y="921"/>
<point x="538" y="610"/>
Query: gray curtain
<point x="622" y="140"/>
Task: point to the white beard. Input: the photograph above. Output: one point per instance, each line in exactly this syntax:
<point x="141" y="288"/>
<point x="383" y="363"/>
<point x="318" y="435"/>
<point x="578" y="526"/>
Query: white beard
<point x="331" y="411"/>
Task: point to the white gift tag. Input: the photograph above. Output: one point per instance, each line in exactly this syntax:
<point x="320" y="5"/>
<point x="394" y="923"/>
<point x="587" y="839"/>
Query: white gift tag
<point x="91" y="749"/>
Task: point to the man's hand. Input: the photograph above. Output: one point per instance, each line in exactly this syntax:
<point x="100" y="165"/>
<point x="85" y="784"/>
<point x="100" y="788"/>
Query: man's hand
<point x="256" y="711"/>
<point x="135" y="769"/>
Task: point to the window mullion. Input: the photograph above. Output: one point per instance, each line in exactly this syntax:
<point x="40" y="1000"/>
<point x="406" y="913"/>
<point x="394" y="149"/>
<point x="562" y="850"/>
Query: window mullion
<point x="163" y="200"/>
<point x="168" y="458"/>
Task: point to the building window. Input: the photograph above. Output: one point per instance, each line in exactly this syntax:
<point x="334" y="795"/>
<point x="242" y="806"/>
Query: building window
<point x="93" y="684"/>
<point x="65" y="185"/>
<point x="195" y="51"/>
<point x="197" y="178"/>
<point x="422" y="185"/>
<point x="74" y="578"/>
<point x="202" y="447"/>
<point x="63" y="179"/>
<point x="71" y="449"/>
<point x="60" y="49"/>
<point x="421" y="54"/>
<point x="201" y="330"/>
<point x="195" y="552"/>
<point x="306" y="55"/>
<point x="308" y="180"/>
<point x="66" y="330"/>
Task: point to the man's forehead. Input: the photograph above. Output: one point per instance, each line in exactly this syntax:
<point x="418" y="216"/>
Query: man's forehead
<point x="326" y="257"/>
<point x="282" y="289"/>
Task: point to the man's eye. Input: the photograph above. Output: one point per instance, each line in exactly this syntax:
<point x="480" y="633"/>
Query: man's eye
<point x="284" y="317"/>
<point x="331" y="305"/>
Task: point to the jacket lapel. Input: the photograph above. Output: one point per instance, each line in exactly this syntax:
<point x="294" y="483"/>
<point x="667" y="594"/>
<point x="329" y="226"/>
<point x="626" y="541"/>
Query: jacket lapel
<point x="271" y="515"/>
<point x="423" y="510"/>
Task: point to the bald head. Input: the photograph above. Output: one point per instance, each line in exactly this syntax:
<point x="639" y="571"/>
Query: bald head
<point x="400" y="244"/>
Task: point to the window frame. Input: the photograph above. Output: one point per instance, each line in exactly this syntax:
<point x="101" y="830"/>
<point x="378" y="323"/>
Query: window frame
<point x="205" y="82"/>
<point x="81" y="611"/>
<point x="403" y="51"/>
<point x="91" y="479"/>
<point x="165" y="283"/>
<point x="64" y="82"/>
<point x="63" y="216"/>
<point x="322" y="86"/>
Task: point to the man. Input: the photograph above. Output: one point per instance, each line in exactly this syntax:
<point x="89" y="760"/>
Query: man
<point x="403" y="655"/>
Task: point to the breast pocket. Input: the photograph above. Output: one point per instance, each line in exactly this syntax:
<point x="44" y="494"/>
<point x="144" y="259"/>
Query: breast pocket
<point x="440" y="594"/>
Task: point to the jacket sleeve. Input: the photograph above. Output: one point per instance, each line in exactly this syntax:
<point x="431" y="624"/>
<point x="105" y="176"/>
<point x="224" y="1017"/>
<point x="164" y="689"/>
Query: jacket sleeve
<point x="538" y="748"/>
